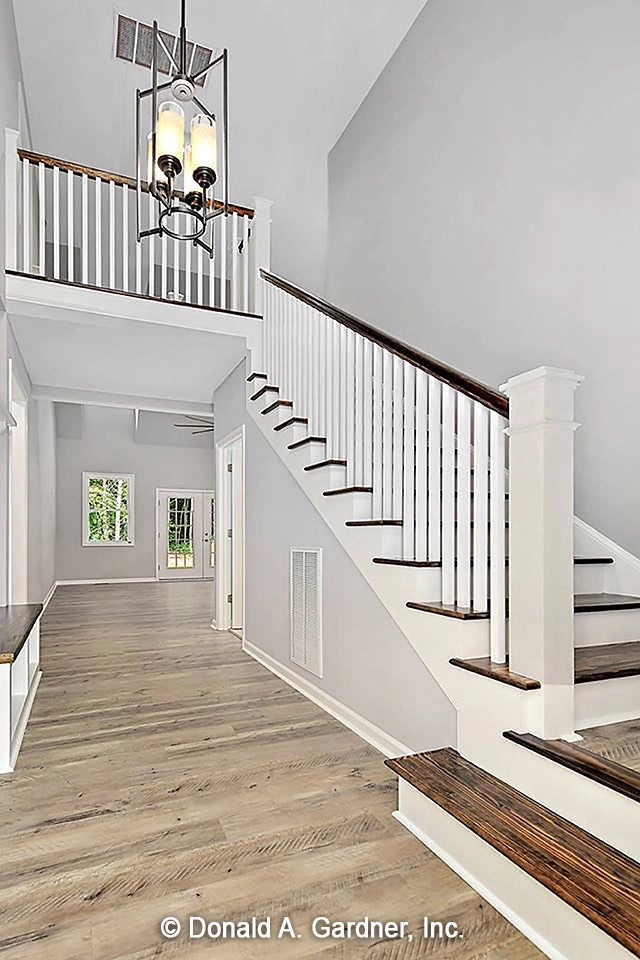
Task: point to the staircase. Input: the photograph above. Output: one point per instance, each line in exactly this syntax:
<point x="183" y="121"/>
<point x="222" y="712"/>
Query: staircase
<point x="456" y="504"/>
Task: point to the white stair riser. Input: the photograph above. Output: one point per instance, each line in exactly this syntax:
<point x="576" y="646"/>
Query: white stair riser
<point x="350" y="506"/>
<point x="606" y="626"/>
<point x="408" y="583"/>
<point x="555" y="927"/>
<point x="588" y="578"/>
<point x="306" y="454"/>
<point x="368" y="542"/>
<point x="607" y="701"/>
<point x="290" y="434"/>
<point x="326" y="478"/>
<point x="277" y="415"/>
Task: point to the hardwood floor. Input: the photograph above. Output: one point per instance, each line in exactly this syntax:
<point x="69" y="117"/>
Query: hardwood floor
<point x="165" y="773"/>
<point x="619" y="742"/>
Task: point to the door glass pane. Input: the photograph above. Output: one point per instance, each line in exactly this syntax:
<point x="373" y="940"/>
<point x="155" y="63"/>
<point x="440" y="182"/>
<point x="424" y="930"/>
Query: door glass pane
<point x="180" y="554"/>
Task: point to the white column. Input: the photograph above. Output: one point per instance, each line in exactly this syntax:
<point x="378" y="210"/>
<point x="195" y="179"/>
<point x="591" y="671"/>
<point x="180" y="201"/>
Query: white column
<point x="11" y="143"/>
<point x="260" y="250"/>
<point x="541" y="475"/>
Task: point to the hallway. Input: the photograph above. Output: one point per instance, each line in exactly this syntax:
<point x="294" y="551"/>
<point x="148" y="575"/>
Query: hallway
<point x="165" y="773"/>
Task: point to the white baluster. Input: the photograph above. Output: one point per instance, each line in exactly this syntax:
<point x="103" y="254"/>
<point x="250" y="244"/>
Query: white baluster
<point x="350" y="401"/>
<point x="56" y="223"/>
<point x="421" y="477"/>
<point x="387" y="436"/>
<point x="85" y="228"/>
<point x="164" y="266"/>
<point x="497" y="540"/>
<point x="125" y="237"/>
<point x="199" y="288"/>
<point x="245" y="264"/>
<point x="235" y="273"/>
<point x="212" y="273"/>
<point x="336" y="452"/>
<point x="358" y="426"/>
<point x="112" y="234"/>
<point x="367" y="413"/>
<point x="463" y="503"/>
<point x="434" y="499"/>
<point x="480" y="506"/>
<point x="448" y="494"/>
<point x="42" y="236"/>
<point x="177" y="281"/>
<point x="150" y="251"/>
<point x="26" y="217"/>
<point x="398" y="439"/>
<point x="70" y="224"/>
<point x="139" y="261"/>
<point x="409" y="465"/>
<point x="98" y="230"/>
<point x="223" y="262"/>
<point x="188" y="288"/>
<point x="377" y="449"/>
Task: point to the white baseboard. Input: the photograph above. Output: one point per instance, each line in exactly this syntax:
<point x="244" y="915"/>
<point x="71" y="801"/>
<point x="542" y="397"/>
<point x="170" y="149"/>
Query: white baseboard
<point x="79" y="583"/>
<point x="377" y="738"/>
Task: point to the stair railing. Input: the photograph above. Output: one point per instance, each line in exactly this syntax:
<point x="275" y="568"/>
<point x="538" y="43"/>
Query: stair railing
<point x="428" y="441"/>
<point x="76" y="224"/>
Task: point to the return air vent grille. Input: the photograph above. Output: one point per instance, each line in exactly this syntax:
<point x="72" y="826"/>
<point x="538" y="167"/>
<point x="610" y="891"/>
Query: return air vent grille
<point x="134" y="43"/>
<point x="306" y="609"/>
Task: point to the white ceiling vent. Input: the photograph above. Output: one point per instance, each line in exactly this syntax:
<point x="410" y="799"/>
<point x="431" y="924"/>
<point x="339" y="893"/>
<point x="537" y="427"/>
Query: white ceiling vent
<point x="134" y="42"/>
<point x="306" y="609"/>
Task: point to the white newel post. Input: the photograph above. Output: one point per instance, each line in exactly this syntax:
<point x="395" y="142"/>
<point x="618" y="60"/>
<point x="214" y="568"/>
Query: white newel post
<point x="541" y="495"/>
<point x="261" y="249"/>
<point x="11" y="143"/>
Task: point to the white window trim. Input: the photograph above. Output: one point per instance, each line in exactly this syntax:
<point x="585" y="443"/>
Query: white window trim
<point x="130" y="478"/>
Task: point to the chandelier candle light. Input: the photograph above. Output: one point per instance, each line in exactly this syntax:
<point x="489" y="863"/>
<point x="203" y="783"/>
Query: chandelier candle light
<point x="182" y="156"/>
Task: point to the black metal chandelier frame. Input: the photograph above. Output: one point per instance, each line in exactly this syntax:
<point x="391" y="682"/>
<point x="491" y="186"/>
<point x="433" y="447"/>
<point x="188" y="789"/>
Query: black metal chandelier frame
<point x="200" y="208"/>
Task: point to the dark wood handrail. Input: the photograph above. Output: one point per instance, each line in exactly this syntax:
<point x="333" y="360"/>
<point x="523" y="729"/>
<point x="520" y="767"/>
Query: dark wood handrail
<point x="96" y="174"/>
<point x="435" y="368"/>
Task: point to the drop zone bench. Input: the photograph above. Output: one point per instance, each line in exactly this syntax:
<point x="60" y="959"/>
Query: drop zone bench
<point x="19" y="675"/>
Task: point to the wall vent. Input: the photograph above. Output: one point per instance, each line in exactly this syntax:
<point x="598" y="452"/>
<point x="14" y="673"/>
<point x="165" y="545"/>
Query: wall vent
<point x="306" y="609"/>
<point x="134" y="43"/>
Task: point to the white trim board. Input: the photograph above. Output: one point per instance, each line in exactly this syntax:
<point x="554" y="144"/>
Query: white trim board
<point x="16" y="740"/>
<point x="374" y="736"/>
<point x="49" y="595"/>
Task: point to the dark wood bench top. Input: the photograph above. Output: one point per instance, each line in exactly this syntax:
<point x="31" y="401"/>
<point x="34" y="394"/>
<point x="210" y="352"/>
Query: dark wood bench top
<point x="16" y="623"/>
<point x="598" y="881"/>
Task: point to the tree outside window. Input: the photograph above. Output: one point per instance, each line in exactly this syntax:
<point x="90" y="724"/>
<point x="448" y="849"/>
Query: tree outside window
<point x="107" y="509"/>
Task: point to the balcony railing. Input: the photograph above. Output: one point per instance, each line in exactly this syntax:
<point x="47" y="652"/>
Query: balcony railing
<point x="76" y="224"/>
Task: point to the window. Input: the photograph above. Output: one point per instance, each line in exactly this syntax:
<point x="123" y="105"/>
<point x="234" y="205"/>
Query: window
<point x="180" y="539"/>
<point x="107" y="509"/>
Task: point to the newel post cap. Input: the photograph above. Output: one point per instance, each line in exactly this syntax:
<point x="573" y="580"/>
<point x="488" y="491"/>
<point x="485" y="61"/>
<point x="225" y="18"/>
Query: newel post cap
<point x="544" y="396"/>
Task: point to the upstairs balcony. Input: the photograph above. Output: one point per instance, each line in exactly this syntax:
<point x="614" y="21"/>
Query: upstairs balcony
<point x="71" y="245"/>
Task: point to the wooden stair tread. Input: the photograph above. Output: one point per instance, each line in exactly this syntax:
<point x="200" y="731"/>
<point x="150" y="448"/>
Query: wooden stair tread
<point x="306" y="440"/>
<point x="325" y="463"/>
<point x="399" y="562"/>
<point x="485" y="667"/>
<point x="593" y="560"/>
<point x="601" y="883"/>
<point x="264" y="390"/>
<point x="257" y="376"/>
<point x="275" y="405"/>
<point x="622" y="779"/>
<point x="373" y="523"/>
<point x="339" y="491"/>
<point x="594" y="602"/>
<point x="607" y="662"/>
<point x="582" y="603"/>
<point x="16" y="623"/>
<point x="289" y="423"/>
<point x="449" y="610"/>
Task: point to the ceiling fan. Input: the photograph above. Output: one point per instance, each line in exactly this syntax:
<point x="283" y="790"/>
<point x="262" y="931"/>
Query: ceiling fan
<point x="200" y="424"/>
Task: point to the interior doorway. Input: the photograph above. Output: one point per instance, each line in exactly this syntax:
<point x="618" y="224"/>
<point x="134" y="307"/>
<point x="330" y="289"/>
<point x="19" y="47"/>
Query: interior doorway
<point x="185" y="534"/>
<point x="230" y="556"/>
<point x="18" y="587"/>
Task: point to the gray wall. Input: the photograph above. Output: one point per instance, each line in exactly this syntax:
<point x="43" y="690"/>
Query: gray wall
<point x="484" y="206"/>
<point x="102" y="438"/>
<point x="368" y="663"/>
<point x="41" y="559"/>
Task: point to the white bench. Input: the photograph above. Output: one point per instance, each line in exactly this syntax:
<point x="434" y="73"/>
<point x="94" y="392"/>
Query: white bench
<point x="19" y="675"/>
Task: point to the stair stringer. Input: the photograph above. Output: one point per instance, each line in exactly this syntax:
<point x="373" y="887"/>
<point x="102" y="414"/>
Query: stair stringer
<point x="485" y="708"/>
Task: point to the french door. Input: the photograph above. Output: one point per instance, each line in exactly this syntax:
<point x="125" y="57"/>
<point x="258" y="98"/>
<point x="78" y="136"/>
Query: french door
<point x="186" y="534"/>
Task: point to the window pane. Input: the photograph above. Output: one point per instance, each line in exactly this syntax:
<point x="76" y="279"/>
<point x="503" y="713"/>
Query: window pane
<point x="108" y="509"/>
<point x="180" y="533"/>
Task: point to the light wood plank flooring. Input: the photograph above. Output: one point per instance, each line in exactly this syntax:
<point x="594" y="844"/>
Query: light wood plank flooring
<point x="615" y="741"/>
<point x="164" y="772"/>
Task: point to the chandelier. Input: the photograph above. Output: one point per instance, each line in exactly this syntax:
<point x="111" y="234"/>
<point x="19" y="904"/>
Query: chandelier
<point x="181" y="147"/>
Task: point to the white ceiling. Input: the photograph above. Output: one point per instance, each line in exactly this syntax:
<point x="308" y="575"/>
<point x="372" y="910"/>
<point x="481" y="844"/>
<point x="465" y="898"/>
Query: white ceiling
<point x="144" y="359"/>
<point x="299" y="69"/>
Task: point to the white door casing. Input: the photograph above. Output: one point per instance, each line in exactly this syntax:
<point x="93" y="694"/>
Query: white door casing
<point x="230" y="526"/>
